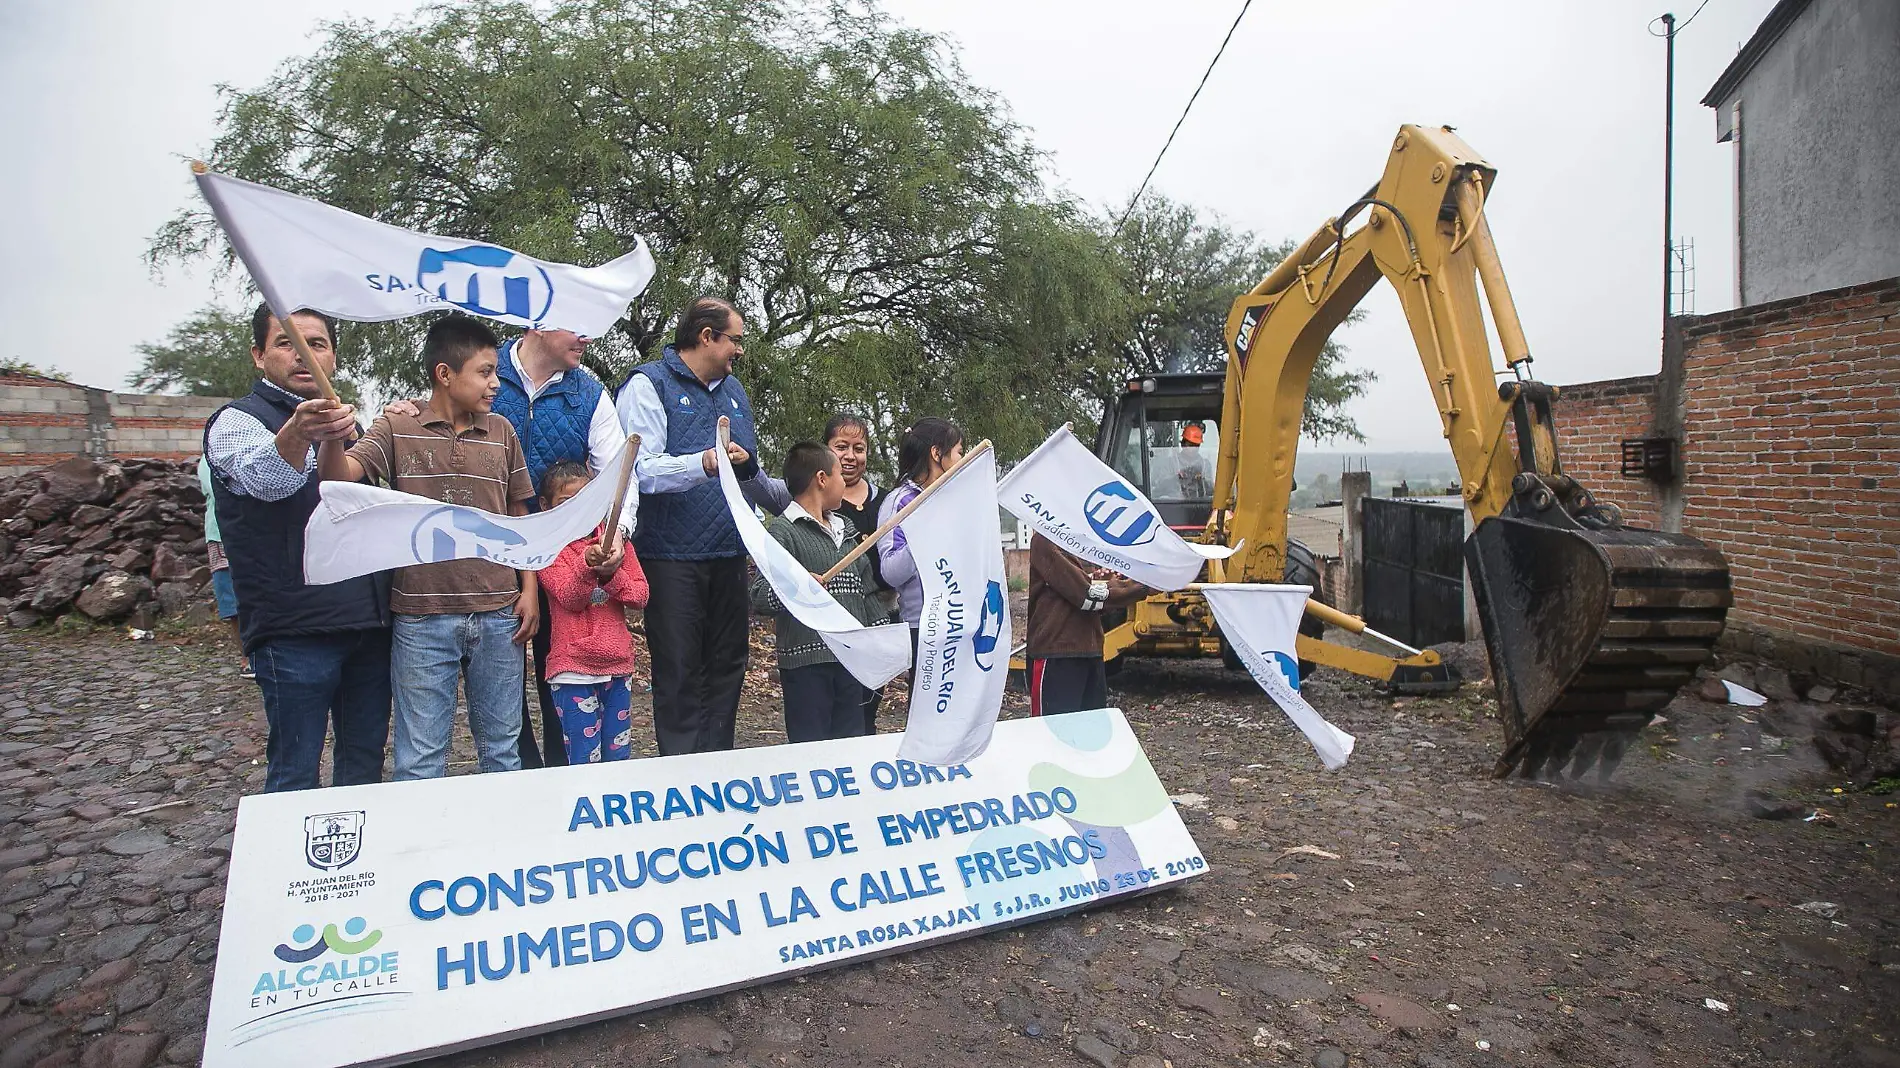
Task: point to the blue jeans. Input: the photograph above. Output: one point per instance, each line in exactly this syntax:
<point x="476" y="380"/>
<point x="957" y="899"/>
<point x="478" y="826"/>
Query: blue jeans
<point x="310" y="680"/>
<point x="428" y="653"/>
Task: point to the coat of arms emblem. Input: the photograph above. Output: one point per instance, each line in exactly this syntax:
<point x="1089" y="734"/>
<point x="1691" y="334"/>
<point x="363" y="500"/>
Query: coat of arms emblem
<point x="332" y="840"/>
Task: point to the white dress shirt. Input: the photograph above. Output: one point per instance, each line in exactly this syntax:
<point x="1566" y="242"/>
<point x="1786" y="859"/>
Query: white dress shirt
<point x="605" y="439"/>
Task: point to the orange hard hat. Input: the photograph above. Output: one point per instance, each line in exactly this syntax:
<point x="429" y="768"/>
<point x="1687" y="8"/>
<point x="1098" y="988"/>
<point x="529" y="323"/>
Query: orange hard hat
<point x="1191" y="434"/>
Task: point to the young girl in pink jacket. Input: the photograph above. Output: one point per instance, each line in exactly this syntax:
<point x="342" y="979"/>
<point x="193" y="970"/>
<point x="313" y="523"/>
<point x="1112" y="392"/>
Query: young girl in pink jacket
<point x="590" y="649"/>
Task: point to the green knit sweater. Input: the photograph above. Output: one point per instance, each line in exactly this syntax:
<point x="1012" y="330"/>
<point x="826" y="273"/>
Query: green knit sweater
<point x="811" y="545"/>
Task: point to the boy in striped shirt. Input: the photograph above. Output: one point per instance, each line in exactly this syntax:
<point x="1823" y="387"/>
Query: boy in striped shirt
<point x="474" y="612"/>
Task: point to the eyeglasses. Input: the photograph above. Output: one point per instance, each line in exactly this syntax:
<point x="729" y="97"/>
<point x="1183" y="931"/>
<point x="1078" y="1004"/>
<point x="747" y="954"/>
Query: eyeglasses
<point x="736" y="339"/>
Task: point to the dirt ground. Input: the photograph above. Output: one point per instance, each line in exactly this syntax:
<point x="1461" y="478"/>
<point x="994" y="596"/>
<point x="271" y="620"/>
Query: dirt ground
<point x="1407" y="910"/>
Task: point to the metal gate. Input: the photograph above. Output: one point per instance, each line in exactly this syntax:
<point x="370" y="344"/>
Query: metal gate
<point x="1414" y="568"/>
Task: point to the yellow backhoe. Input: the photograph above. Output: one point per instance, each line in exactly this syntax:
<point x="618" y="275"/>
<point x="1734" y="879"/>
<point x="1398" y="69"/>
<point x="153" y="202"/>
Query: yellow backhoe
<point x="1591" y="625"/>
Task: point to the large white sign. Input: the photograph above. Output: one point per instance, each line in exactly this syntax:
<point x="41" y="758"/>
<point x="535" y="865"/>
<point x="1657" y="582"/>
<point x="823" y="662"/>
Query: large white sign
<point x="385" y="923"/>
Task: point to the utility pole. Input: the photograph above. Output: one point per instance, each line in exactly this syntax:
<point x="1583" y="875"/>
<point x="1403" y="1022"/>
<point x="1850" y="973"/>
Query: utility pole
<point x="1669" y="161"/>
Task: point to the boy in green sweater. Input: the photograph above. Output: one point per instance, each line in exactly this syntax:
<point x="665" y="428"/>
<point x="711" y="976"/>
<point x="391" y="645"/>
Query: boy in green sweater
<point x="822" y="699"/>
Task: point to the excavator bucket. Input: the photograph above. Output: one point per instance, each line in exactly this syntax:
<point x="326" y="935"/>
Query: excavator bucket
<point x="1590" y="633"/>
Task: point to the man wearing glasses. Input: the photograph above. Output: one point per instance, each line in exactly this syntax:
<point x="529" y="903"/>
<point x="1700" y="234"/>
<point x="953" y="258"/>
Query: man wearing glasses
<point x="698" y="601"/>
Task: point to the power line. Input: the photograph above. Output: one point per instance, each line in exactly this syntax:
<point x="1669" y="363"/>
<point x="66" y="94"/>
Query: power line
<point x="1678" y="29"/>
<point x="1136" y="199"/>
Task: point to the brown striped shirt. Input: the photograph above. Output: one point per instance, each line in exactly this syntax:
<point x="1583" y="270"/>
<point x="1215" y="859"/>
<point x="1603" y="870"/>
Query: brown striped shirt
<point x="481" y="467"/>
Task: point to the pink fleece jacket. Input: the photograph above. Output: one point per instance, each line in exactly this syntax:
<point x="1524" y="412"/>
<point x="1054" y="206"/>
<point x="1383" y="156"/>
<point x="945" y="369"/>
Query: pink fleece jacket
<point x="589" y="638"/>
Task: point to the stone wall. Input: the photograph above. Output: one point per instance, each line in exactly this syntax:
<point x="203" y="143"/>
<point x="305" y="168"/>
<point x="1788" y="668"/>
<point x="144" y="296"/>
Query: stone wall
<point x="44" y="421"/>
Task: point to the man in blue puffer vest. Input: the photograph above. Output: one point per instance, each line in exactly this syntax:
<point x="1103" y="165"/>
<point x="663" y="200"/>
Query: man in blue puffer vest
<point x="698" y="602"/>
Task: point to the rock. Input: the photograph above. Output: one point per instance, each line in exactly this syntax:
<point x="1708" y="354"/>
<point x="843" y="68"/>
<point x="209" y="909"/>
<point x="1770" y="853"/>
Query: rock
<point x="699" y="1032"/>
<point x="1860" y="721"/>
<point x="1843" y="752"/>
<point x="47" y="984"/>
<point x="1203" y="999"/>
<point x="82" y="481"/>
<point x="1402" y="1013"/>
<point x="43" y="508"/>
<point x="1774" y="684"/>
<point x="1740" y="675"/>
<point x="137" y="992"/>
<point x="1790" y="720"/>
<point x="1117" y="1034"/>
<point x="24" y="617"/>
<point x="169" y="564"/>
<point x="114" y="595"/>
<point x="1765" y="806"/>
<point x="1821" y="693"/>
<point x="108" y="974"/>
<point x="132" y="559"/>
<point x="1711" y="689"/>
<point x="123" y="1051"/>
<point x="21" y="856"/>
<point x="118" y="943"/>
<point x="87" y="515"/>
<point x="58" y="584"/>
<point x="782" y="1032"/>
<point x="1162" y="952"/>
<point x="186" y="1049"/>
<point x="177" y="598"/>
<point x="1095" y="1051"/>
<point x="140" y="840"/>
<point x="1330" y="1057"/>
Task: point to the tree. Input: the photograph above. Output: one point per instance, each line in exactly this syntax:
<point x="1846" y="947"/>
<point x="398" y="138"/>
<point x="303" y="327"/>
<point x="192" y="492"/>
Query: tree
<point x="208" y="355"/>
<point x="1182" y="274"/>
<point x="14" y="365"/>
<point x="877" y="219"/>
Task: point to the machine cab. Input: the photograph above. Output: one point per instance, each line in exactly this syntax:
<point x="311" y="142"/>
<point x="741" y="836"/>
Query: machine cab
<point x="1163" y="434"/>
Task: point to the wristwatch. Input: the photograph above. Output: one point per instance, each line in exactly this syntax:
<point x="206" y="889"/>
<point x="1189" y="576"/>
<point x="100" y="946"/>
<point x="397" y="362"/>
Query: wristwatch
<point x="599" y="596"/>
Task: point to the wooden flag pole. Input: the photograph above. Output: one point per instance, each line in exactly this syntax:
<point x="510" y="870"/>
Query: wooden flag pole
<point x="904" y="512"/>
<point x="627" y="457"/>
<point x="290" y="330"/>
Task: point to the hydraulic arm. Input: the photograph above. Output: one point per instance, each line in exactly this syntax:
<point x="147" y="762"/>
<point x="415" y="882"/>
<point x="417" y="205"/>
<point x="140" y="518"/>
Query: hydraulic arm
<point x="1591" y="625"/>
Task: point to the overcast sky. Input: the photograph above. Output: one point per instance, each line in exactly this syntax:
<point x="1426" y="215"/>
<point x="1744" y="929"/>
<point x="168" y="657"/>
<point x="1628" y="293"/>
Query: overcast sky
<point x="107" y="98"/>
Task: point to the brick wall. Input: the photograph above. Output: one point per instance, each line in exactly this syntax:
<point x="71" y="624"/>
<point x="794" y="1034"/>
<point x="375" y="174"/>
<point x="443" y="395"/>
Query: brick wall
<point x="44" y="421"/>
<point x="1592" y="420"/>
<point x="1791" y="466"/>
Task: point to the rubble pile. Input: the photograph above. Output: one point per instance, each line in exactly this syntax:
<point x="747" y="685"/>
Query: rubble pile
<point x="112" y="541"/>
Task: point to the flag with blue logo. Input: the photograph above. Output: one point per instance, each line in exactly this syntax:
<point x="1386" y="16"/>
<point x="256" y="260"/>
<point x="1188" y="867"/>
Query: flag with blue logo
<point x="1094" y="514"/>
<point x="963" y="634"/>
<point x="306" y="254"/>
<point x="873" y="655"/>
<point x="1261" y="622"/>
<point x="360" y="530"/>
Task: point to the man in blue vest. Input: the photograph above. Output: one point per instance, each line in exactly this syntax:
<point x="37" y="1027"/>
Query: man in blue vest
<point x="321" y="653"/>
<point x="560" y="411"/>
<point x="698" y="602"/>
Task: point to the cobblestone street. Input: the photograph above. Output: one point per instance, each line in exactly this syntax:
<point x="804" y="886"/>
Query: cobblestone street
<point x="1407" y="911"/>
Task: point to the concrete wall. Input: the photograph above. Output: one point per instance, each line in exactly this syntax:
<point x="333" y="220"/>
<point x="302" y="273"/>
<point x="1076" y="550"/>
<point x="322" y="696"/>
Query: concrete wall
<point x="43" y="421"/>
<point x="1791" y="467"/>
<point x="1818" y="153"/>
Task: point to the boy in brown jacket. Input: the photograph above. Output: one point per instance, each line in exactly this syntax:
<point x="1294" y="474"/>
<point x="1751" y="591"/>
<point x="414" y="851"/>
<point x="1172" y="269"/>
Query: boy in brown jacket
<point x="1066" y="673"/>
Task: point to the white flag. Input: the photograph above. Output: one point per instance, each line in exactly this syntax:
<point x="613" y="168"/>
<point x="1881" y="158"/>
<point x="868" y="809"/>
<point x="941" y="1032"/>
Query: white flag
<point x="1091" y="512"/>
<point x="306" y="254"/>
<point x="873" y="655"/>
<point x="359" y="530"/>
<point x="963" y="636"/>
<point x="1261" y="622"/>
